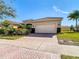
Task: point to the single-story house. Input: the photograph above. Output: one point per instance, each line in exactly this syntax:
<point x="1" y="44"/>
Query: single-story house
<point x="45" y="25"/>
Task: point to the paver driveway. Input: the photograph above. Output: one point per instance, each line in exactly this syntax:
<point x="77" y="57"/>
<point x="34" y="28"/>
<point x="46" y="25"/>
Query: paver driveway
<point x="39" y="43"/>
<point x="29" y="48"/>
<point x="13" y="52"/>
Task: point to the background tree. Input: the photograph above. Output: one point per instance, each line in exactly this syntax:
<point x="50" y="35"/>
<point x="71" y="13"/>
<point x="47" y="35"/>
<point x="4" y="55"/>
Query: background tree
<point x="71" y="28"/>
<point x="74" y="16"/>
<point x="6" y="10"/>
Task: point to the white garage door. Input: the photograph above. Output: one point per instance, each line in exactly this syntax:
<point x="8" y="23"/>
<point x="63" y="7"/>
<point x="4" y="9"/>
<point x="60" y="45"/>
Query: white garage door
<point x="45" y="29"/>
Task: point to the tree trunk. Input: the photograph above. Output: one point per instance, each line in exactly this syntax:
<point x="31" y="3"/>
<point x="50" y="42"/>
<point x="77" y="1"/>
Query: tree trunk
<point x="76" y="25"/>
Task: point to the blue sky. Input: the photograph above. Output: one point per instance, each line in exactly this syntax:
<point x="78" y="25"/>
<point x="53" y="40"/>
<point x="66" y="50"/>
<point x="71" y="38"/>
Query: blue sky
<point x="34" y="9"/>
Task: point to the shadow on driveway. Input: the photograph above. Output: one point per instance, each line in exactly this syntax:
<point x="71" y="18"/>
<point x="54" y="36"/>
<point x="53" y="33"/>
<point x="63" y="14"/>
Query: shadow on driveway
<point x="42" y="35"/>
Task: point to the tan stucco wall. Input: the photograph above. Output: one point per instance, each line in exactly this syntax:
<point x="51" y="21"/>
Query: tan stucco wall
<point x="55" y="21"/>
<point x="47" y="23"/>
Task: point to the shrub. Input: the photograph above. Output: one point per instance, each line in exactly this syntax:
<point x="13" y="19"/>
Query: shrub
<point x="6" y="23"/>
<point x="12" y="31"/>
<point x="4" y="31"/>
<point x="1" y="31"/>
<point x="8" y="29"/>
<point x="23" y="31"/>
<point x="27" y="31"/>
<point x="28" y="26"/>
<point x="23" y="26"/>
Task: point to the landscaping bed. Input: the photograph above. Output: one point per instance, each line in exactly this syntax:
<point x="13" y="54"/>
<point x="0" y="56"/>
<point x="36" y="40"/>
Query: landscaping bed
<point x="68" y="57"/>
<point x="12" y="31"/>
<point x="68" y="38"/>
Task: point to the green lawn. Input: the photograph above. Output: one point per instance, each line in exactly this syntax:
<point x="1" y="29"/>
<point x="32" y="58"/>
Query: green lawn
<point x="68" y="57"/>
<point x="74" y="36"/>
<point x="13" y="37"/>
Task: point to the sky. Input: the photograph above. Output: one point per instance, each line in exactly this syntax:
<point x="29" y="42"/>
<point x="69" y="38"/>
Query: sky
<point x="35" y="9"/>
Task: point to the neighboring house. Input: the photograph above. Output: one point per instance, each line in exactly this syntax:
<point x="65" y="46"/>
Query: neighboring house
<point x="45" y="25"/>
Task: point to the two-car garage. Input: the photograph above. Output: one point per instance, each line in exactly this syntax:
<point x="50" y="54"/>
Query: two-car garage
<point x="46" y="29"/>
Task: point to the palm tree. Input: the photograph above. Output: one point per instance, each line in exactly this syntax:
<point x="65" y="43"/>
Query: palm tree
<point x="74" y="16"/>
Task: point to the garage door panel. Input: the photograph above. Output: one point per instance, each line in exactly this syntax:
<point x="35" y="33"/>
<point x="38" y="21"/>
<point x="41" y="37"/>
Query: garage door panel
<point x="45" y="29"/>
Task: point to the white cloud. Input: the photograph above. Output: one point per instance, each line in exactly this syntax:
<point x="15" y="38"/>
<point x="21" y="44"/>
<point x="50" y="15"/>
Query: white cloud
<point x="59" y="10"/>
